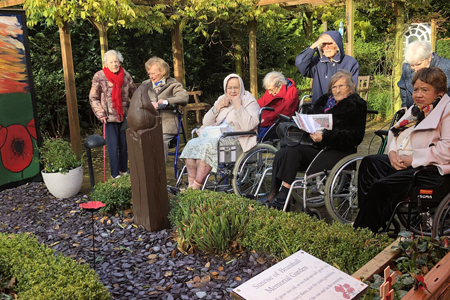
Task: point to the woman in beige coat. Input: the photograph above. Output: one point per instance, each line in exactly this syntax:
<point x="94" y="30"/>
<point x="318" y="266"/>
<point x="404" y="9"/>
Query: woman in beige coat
<point x="421" y="138"/>
<point x="164" y="91"/>
<point x="238" y="110"/>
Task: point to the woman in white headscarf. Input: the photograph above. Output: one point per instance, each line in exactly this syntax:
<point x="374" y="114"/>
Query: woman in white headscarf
<point x="236" y="108"/>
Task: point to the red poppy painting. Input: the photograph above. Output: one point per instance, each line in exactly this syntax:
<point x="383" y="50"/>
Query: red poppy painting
<point x="17" y="151"/>
<point x="19" y="155"/>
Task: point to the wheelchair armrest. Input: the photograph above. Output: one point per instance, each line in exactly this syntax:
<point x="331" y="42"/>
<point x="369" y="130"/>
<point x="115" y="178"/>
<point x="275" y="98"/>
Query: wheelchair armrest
<point x="238" y="133"/>
<point x="381" y="132"/>
<point x="284" y="118"/>
<point x="372" y="111"/>
<point x="194" y="131"/>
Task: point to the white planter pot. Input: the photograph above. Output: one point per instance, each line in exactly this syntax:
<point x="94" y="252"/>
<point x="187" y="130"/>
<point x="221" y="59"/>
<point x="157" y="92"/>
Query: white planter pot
<point x="64" y="185"/>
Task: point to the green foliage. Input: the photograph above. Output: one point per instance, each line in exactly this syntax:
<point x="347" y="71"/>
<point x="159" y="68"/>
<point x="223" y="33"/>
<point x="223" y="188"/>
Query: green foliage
<point x="380" y="96"/>
<point x="209" y="221"/>
<point x="57" y="156"/>
<point x="42" y="275"/>
<point x="443" y="48"/>
<point x="115" y="193"/>
<point x="212" y="221"/>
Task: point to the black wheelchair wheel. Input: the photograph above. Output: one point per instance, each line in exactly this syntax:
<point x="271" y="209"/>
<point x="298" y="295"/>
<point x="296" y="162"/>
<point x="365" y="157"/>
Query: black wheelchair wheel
<point x="441" y="219"/>
<point x="341" y="189"/>
<point x="252" y="173"/>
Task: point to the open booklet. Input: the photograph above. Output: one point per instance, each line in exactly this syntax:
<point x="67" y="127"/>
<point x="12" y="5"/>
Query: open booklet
<point x="313" y="123"/>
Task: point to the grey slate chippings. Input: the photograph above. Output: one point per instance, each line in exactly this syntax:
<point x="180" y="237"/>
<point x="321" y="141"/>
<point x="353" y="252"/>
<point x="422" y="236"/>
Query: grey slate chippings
<point x="131" y="262"/>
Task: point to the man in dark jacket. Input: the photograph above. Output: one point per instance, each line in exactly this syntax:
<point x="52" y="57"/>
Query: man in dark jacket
<point x="330" y="59"/>
<point x="418" y="55"/>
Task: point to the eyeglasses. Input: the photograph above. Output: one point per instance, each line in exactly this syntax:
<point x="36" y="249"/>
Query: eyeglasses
<point x="340" y="87"/>
<point x="272" y="90"/>
<point x="233" y="88"/>
<point x="324" y="45"/>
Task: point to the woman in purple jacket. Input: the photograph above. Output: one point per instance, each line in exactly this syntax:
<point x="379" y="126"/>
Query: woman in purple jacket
<point x="330" y="59"/>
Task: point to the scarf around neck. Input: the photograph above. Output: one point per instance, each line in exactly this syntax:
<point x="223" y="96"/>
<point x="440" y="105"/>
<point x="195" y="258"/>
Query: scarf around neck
<point x="331" y="102"/>
<point x="418" y="113"/>
<point x="117" y="80"/>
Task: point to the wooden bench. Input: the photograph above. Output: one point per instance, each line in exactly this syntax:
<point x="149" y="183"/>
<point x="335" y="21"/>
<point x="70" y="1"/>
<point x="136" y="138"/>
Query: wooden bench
<point x="196" y="106"/>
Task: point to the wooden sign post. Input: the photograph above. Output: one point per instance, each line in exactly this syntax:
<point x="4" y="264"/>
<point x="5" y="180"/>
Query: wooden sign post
<point x="300" y="276"/>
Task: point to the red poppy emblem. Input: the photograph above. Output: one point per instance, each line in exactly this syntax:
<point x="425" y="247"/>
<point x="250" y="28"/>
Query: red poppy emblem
<point x="17" y="149"/>
<point x="92" y="205"/>
<point x="403" y="123"/>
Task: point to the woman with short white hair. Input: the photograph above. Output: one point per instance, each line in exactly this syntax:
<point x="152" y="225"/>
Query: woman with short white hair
<point x="109" y="97"/>
<point x="418" y="55"/>
<point x="282" y="95"/>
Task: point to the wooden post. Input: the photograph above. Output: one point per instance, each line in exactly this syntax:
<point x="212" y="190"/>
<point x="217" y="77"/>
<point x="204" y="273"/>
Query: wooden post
<point x="433" y="35"/>
<point x="253" y="59"/>
<point x="71" y="97"/>
<point x="177" y="50"/>
<point x="325" y="25"/>
<point x="399" y="9"/>
<point x="350" y="12"/>
<point x="103" y="31"/>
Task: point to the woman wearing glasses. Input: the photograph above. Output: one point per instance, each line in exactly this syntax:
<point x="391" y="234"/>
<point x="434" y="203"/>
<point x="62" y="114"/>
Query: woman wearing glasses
<point x="418" y="55"/>
<point x="349" y="122"/>
<point x="330" y="59"/>
<point x="282" y="95"/>
<point x="237" y="109"/>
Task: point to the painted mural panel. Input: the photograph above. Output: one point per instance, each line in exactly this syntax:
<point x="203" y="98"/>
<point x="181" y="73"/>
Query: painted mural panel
<point x="18" y="130"/>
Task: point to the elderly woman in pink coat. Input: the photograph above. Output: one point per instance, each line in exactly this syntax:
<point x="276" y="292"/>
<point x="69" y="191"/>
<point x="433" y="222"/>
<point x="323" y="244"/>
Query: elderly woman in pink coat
<point x="421" y="138"/>
<point x="236" y="109"/>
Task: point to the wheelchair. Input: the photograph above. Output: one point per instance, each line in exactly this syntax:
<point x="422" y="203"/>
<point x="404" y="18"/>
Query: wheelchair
<point x="246" y="174"/>
<point x="341" y="187"/>
<point x="426" y="209"/>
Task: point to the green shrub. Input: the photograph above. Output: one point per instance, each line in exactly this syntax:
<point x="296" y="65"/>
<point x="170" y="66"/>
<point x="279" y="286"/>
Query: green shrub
<point x="380" y="95"/>
<point x="57" y="156"/>
<point x="282" y="234"/>
<point x="443" y="48"/>
<point x="115" y="193"/>
<point x="211" y="221"/>
<point x="40" y="274"/>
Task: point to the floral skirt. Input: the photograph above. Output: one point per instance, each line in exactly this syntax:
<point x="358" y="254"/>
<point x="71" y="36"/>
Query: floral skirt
<point x="206" y="149"/>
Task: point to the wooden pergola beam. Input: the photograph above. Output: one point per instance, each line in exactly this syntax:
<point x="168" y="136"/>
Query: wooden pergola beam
<point x="292" y="2"/>
<point x="8" y="3"/>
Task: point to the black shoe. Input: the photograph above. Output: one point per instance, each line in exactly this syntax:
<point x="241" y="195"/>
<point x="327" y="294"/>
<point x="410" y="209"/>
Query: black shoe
<point x="173" y="190"/>
<point x="278" y="203"/>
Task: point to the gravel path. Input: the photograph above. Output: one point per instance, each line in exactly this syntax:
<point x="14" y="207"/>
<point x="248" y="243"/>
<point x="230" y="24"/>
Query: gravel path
<point x="131" y="262"/>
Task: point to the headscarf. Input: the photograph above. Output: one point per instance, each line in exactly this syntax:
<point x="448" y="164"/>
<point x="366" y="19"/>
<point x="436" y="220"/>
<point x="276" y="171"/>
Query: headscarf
<point x="117" y="80"/>
<point x="242" y="90"/>
<point x="418" y="113"/>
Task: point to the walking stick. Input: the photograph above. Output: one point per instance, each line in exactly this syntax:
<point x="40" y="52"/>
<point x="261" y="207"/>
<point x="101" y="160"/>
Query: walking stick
<point x="104" y="154"/>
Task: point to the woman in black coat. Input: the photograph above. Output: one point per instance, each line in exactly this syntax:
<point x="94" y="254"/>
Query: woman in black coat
<point x="349" y="121"/>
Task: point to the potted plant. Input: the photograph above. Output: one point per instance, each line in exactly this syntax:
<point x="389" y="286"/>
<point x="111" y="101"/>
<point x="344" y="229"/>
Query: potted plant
<point x="63" y="172"/>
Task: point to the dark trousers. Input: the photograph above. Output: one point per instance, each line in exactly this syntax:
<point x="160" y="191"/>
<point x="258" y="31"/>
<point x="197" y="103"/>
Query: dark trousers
<point x="117" y="148"/>
<point x="290" y="160"/>
<point x="381" y="188"/>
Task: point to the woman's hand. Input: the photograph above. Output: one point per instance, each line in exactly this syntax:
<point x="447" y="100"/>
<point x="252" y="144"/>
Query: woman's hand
<point x="103" y="120"/>
<point x="316" y="137"/>
<point x="223" y="102"/>
<point x="237" y="101"/>
<point x="399" y="162"/>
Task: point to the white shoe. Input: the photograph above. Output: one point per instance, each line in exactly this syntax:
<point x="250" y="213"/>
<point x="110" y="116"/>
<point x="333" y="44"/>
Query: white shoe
<point x="118" y="176"/>
<point x="122" y="173"/>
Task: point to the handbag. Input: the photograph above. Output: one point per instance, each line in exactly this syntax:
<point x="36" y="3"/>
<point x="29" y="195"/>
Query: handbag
<point x="292" y="136"/>
<point x="124" y="125"/>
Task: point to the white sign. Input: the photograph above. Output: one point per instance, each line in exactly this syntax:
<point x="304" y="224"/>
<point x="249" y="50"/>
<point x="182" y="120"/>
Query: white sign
<point x="301" y="276"/>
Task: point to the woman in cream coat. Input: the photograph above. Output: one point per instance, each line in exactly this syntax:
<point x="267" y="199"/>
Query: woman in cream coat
<point x="421" y="138"/>
<point x="236" y="108"/>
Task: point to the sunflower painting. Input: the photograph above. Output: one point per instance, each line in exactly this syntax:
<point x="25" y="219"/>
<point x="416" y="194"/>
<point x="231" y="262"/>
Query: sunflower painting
<point x="18" y="132"/>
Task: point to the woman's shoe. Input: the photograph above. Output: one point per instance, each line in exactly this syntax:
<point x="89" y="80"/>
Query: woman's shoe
<point x="278" y="203"/>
